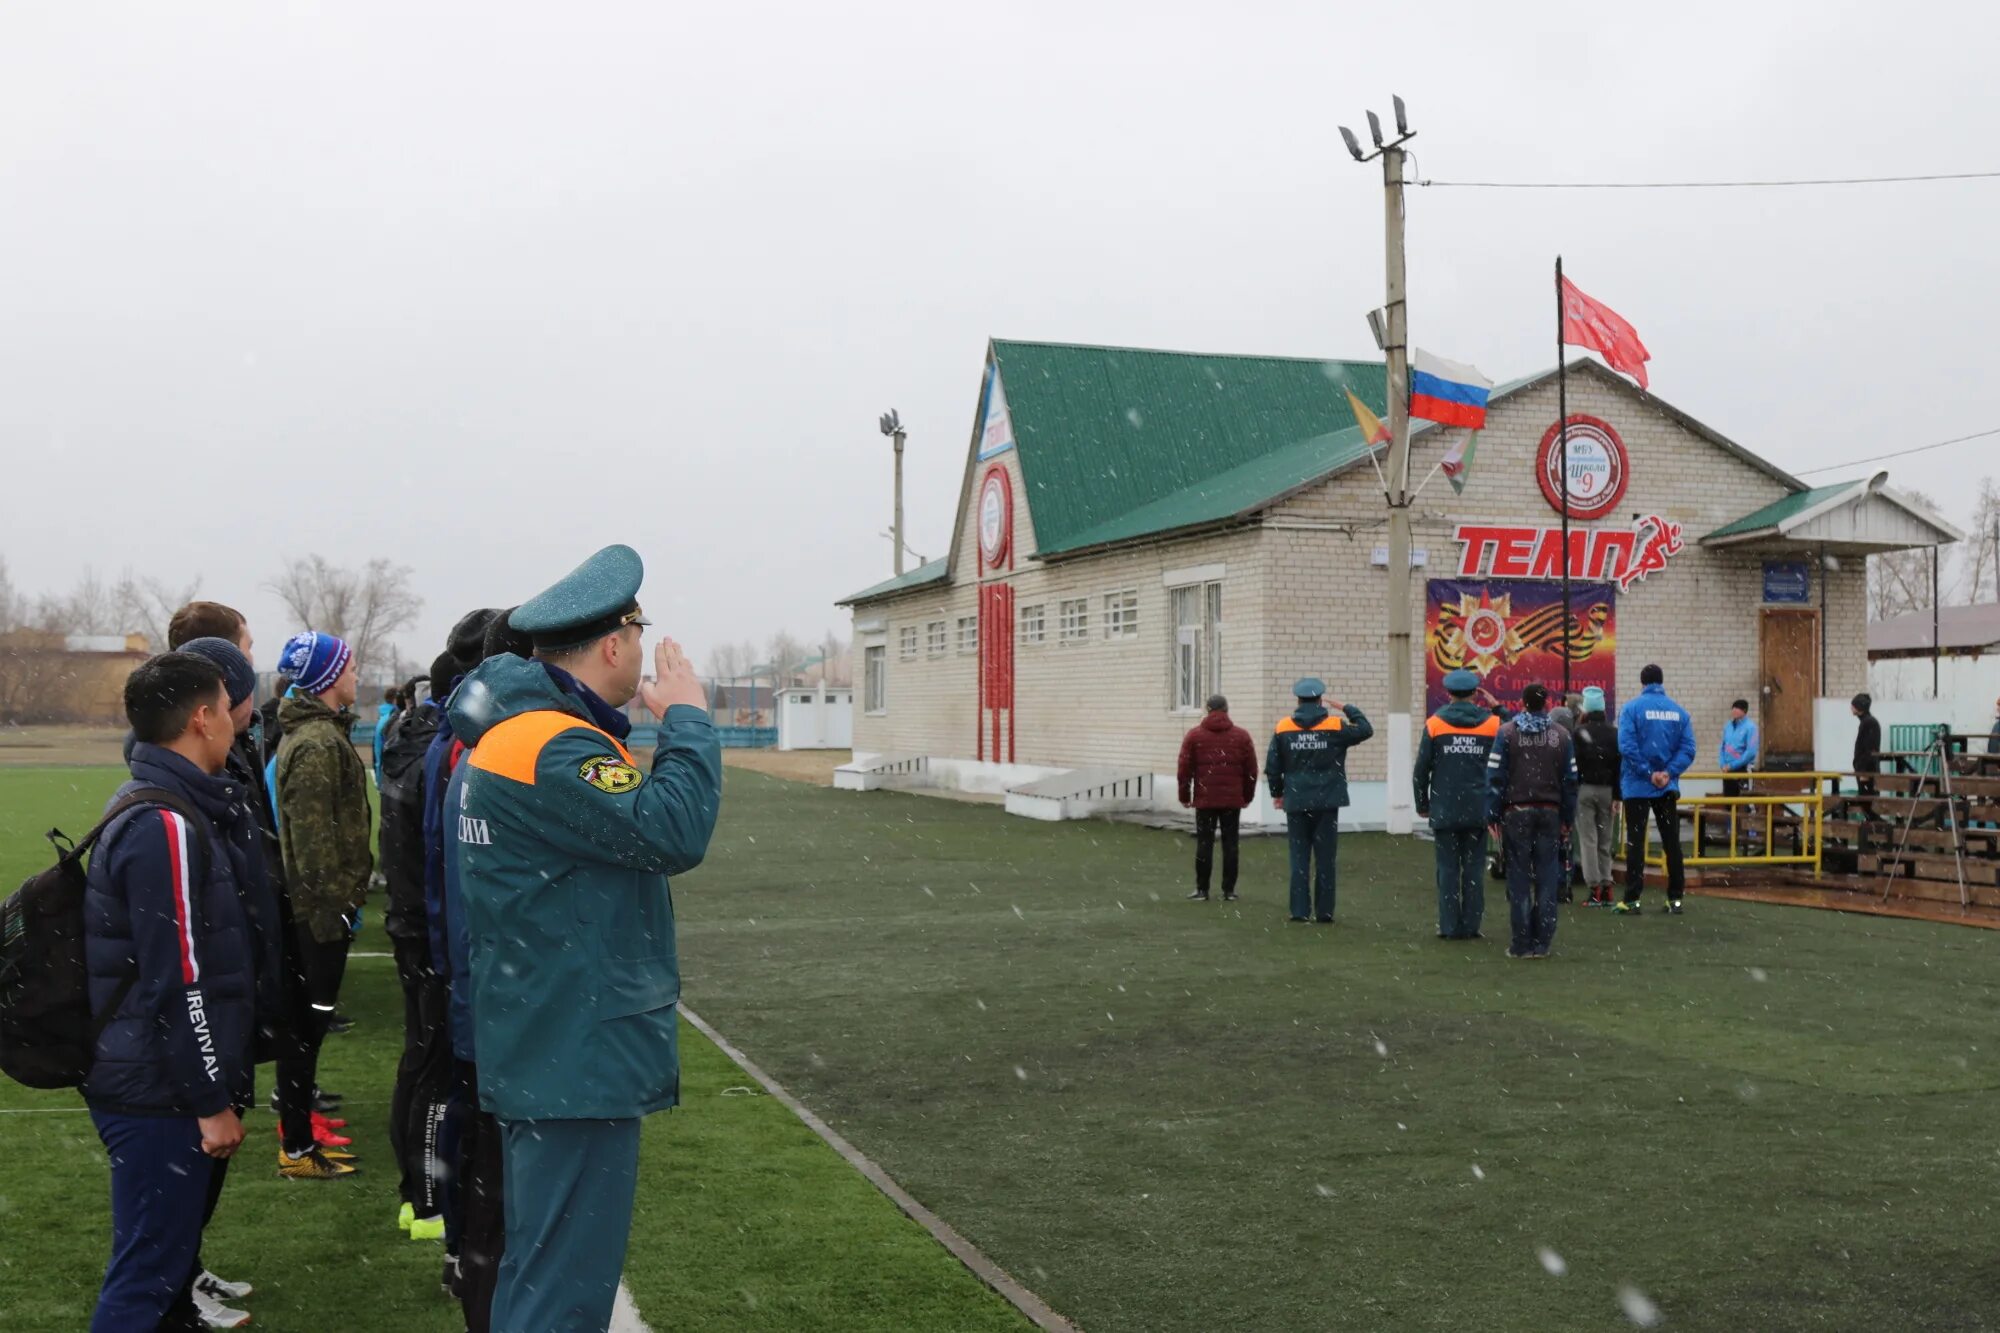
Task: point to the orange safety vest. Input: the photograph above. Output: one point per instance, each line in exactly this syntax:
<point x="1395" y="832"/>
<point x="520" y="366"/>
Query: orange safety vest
<point x="1437" y="727"/>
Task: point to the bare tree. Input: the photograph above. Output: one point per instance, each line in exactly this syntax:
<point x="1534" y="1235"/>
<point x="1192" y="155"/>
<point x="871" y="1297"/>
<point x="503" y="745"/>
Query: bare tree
<point x="1979" y="556"/>
<point x="785" y="653"/>
<point x="727" y="661"/>
<point x="146" y="605"/>
<point x="364" y="606"/>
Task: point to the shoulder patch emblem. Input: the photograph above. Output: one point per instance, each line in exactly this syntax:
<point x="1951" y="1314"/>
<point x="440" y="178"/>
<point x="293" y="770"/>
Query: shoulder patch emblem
<point x="608" y="773"/>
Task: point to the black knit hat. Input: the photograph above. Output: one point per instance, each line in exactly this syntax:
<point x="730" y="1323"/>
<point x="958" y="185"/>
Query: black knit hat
<point x="467" y="642"/>
<point x="502" y="637"/>
<point x="446" y="669"/>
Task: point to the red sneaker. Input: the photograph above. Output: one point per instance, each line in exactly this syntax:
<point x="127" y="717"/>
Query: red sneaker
<point x="326" y="1138"/>
<point x="324" y="1122"/>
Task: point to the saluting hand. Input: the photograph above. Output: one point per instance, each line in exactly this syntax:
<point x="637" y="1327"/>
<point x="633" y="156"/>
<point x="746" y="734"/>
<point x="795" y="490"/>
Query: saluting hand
<point x="674" y="681"/>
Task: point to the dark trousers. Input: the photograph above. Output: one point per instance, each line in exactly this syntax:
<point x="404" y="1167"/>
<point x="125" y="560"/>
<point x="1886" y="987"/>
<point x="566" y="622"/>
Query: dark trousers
<point x="423" y="1079"/>
<point x="1734" y="786"/>
<point x="566" y="1236"/>
<point x="1534" y="873"/>
<point x="160" y="1184"/>
<point x="1461" y="881"/>
<point x="1664" y="810"/>
<point x="1315" y="844"/>
<point x="1206" y="824"/>
<point x="298" y="1069"/>
<point x="475" y="1212"/>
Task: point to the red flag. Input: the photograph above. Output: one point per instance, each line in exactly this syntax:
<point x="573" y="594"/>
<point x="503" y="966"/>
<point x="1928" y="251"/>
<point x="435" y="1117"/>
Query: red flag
<point x="1586" y="323"/>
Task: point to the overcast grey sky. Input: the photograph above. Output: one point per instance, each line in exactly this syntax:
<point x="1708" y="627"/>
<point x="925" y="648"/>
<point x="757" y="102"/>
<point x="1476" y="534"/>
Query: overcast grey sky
<point x="484" y="286"/>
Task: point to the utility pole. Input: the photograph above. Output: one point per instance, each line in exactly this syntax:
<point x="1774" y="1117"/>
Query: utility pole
<point x="892" y="426"/>
<point x="1396" y="348"/>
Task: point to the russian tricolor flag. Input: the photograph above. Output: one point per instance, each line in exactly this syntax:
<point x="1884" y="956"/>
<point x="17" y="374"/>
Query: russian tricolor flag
<point x="1447" y="392"/>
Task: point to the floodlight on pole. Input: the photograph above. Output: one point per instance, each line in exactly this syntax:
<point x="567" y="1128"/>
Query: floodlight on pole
<point x="1391" y="329"/>
<point x="892" y="426"/>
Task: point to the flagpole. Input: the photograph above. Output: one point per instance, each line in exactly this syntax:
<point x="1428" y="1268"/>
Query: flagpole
<point x="1562" y="439"/>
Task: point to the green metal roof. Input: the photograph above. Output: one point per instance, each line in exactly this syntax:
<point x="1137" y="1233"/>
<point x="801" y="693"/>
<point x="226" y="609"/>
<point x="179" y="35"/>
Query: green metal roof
<point x="1119" y="442"/>
<point x="1776" y="512"/>
<point x="921" y="576"/>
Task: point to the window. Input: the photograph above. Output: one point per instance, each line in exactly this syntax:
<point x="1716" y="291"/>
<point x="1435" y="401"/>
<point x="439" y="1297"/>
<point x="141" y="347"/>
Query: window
<point x="934" y="633"/>
<point x="1074" y="619"/>
<point x="876" y="666"/>
<point x="1034" y="624"/>
<point x="909" y="642"/>
<point x="1121" y="615"/>
<point x="968" y="634"/>
<point x="1195" y="663"/>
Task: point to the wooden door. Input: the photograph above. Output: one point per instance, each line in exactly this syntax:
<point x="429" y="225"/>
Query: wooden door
<point x="1790" y="671"/>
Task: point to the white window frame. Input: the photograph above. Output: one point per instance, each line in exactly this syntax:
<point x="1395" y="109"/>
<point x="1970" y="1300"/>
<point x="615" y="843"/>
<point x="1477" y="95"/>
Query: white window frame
<point x="1194" y="653"/>
<point x="1121" y="614"/>
<point x="968" y="635"/>
<point x="935" y="642"/>
<point x="875" y="678"/>
<point x="1073" y="620"/>
<point x="1033" y="632"/>
<point x="907" y="641"/>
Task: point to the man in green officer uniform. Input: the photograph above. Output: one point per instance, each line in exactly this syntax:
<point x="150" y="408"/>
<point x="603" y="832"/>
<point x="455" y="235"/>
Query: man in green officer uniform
<point x="564" y="846"/>
<point x="1306" y="768"/>
<point x="1450" y="781"/>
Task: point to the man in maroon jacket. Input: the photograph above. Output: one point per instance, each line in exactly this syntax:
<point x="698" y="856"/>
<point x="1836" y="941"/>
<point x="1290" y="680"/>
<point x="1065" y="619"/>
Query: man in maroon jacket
<point x="1218" y="777"/>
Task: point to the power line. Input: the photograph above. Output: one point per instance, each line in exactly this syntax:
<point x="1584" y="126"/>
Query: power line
<point x="1707" y="185"/>
<point x="1900" y="453"/>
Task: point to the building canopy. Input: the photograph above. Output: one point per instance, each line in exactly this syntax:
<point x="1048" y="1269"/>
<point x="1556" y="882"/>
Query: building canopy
<point x="1857" y="518"/>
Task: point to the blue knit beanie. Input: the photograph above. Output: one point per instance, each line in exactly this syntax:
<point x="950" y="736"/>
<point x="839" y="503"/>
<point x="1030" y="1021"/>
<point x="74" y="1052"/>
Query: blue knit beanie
<point x="237" y="673"/>
<point x="314" y="661"/>
<point x="1593" y="699"/>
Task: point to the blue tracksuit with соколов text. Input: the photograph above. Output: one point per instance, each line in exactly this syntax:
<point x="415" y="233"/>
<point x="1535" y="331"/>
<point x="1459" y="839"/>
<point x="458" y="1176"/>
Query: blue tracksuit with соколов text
<point x="1306" y="768"/>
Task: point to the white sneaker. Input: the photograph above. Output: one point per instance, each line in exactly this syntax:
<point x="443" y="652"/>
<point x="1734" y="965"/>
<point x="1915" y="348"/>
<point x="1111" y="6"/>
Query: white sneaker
<point x="217" y="1315"/>
<point x="216" y="1289"/>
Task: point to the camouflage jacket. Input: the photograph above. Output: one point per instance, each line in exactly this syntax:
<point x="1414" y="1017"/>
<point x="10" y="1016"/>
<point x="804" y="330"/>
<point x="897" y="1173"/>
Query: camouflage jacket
<point x="321" y="790"/>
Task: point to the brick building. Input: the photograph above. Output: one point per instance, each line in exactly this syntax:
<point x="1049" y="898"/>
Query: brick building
<point x="1139" y="529"/>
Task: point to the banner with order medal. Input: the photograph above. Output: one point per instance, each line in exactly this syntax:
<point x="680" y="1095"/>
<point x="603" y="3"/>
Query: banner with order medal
<point x="1510" y="631"/>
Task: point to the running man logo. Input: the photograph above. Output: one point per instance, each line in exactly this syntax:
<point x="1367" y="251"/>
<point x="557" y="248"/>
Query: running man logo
<point x="608" y="774"/>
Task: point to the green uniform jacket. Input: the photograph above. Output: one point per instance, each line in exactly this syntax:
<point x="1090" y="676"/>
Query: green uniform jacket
<point x="1450" y="779"/>
<point x="1307" y="764"/>
<point x="564" y="847"/>
<point x="323" y="822"/>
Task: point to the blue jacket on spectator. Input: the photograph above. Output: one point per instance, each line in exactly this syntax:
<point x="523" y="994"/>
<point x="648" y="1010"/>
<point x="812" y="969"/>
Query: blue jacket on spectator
<point x="1738" y="751"/>
<point x="162" y="908"/>
<point x="1655" y="735"/>
<point x="451" y="945"/>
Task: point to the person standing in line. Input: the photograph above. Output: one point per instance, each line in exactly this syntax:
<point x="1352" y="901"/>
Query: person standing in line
<point x="321" y="786"/>
<point x="1565" y="713"/>
<point x="1532" y="783"/>
<point x="168" y="955"/>
<point x="1655" y="746"/>
<point x="1867" y="744"/>
<point x="1597" y="797"/>
<point x="1218" y="778"/>
<point x="565" y="849"/>
<point x="1738" y="752"/>
<point x="1307" y="772"/>
<point x="1450" y="783"/>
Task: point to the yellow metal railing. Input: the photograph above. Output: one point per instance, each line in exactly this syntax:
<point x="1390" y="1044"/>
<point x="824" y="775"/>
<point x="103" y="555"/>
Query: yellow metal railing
<point x="1808" y="805"/>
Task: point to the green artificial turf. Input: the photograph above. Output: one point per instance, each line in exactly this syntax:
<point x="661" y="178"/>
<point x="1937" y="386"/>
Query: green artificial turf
<point x="1164" y="1115"/>
<point x="745" y="1219"/>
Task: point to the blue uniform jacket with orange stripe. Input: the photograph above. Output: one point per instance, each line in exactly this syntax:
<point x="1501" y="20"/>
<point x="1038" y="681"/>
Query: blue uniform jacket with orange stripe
<point x="1450" y="776"/>
<point x="172" y="920"/>
<point x="1306" y="765"/>
<point x="564" y="846"/>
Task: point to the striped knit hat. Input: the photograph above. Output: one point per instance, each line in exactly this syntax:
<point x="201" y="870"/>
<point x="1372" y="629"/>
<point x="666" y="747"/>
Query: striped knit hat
<point x="314" y="661"/>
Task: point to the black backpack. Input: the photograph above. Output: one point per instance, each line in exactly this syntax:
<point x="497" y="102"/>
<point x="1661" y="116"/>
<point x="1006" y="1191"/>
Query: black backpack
<point x="48" y="1034"/>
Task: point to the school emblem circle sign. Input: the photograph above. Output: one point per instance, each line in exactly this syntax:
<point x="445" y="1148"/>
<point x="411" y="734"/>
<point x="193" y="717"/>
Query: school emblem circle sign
<point x="1598" y="467"/>
<point x="996" y="516"/>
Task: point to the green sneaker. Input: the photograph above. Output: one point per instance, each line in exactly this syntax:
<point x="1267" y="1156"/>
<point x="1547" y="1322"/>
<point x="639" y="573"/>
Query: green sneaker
<point x="1625" y="908"/>
<point x="406" y="1217"/>
<point x="427" y="1228"/>
<point x="1673" y="907"/>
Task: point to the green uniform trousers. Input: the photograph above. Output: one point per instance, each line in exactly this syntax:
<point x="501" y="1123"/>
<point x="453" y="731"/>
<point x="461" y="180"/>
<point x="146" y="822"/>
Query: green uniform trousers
<point x="570" y="1185"/>
<point x="1461" y="879"/>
